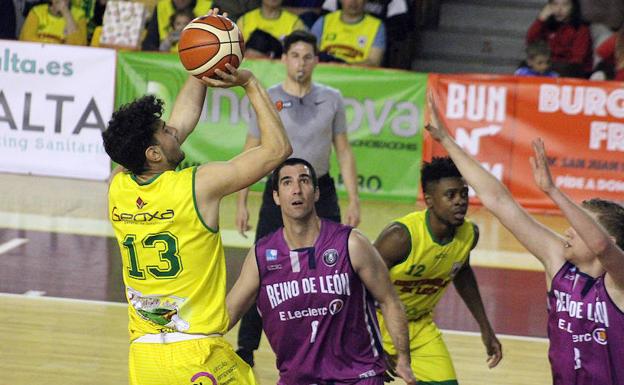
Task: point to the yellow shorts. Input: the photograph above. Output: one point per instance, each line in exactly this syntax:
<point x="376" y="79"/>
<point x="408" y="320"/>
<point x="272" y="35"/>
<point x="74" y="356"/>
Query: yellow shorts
<point x="209" y="361"/>
<point x="431" y="361"/>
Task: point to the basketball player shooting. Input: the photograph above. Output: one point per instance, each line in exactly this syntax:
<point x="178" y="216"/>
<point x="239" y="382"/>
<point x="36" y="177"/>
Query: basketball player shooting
<point x="584" y="268"/>
<point x="167" y="226"/>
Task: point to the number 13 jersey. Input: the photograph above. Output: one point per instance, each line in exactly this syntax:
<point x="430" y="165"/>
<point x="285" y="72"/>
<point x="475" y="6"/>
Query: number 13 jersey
<point x="173" y="264"/>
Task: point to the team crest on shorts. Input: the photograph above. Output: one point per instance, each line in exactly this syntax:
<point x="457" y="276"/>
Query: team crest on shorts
<point x="330" y="257"/>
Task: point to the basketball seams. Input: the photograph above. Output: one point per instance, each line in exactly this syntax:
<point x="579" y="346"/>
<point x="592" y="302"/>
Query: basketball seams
<point x="219" y="46"/>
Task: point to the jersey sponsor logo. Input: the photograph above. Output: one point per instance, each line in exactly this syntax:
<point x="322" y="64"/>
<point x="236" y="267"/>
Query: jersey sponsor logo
<point x="316" y="103"/>
<point x="362" y="40"/>
<point x="280" y="292"/>
<point x="335" y="306"/>
<point x="279" y="105"/>
<point x="270" y="254"/>
<point x="158" y="310"/>
<point x="142" y="217"/>
<point x="274" y="267"/>
<point x="330" y="257"/>
<point x="600" y="336"/>
<point x="307" y="312"/>
<point x="140" y="203"/>
<point x="596" y="311"/>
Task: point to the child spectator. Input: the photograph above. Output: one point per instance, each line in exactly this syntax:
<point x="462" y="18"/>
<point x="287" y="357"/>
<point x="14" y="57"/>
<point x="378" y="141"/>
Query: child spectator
<point x="159" y="26"/>
<point x="178" y="21"/>
<point x="57" y="22"/>
<point x="559" y="23"/>
<point x="611" y="54"/>
<point x="537" y="61"/>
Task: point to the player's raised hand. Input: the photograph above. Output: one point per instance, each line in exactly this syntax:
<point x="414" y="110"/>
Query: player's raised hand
<point x="435" y="127"/>
<point x="493" y="347"/>
<point x="234" y="77"/>
<point x="539" y="164"/>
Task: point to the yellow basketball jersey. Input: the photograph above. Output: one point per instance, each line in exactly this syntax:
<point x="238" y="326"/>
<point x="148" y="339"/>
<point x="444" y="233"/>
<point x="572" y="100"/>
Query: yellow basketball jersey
<point x="349" y="42"/>
<point x="173" y="264"/>
<point x="51" y="29"/>
<point x="422" y="278"/>
<point x="279" y="28"/>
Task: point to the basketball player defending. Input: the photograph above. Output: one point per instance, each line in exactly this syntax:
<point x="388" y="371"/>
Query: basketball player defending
<point x="312" y="279"/>
<point x="584" y="268"/>
<point x="167" y="226"/>
<point x="425" y="251"/>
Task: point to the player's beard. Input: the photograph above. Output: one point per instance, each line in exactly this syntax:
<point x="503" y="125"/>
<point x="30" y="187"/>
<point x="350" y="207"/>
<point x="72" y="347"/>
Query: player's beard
<point x="175" y="162"/>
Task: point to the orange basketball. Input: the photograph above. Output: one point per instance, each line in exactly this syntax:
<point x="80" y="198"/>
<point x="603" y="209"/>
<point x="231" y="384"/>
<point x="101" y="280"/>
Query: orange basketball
<point x="208" y="43"/>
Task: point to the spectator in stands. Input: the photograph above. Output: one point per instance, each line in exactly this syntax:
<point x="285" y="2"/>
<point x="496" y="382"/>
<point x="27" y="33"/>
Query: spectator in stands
<point x="604" y="16"/>
<point x="236" y="8"/>
<point x="58" y="22"/>
<point x="611" y="54"/>
<point x="264" y="28"/>
<point x="160" y="26"/>
<point x="398" y="21"/>
<point x="559" y="23"/>
<point x="8" y="20"/>
<point x="351" y="35"/>
<point x="178" y="21"/>
<point x="307" y="10"/>
<point x="537" y="62"/>
<point x="95" y="19"/>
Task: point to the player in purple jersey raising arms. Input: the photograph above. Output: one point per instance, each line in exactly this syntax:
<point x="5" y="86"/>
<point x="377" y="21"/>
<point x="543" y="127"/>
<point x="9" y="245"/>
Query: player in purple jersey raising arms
<point x="584" y="268"/>
<point x="314" y="282"/>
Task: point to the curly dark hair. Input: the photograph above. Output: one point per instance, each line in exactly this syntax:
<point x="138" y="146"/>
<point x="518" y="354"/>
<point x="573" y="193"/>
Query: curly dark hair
<point x="438" y="168"/>
<point x="610" y="215"/>
<point x="131" y="131"/>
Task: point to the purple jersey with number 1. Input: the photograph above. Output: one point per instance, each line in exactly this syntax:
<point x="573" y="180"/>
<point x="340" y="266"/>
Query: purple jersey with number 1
<point x="317" y="314"/>
<point x="585" y="329"/>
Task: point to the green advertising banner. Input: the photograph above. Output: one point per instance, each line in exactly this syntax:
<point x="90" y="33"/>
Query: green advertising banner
<point x="384" y="116"/>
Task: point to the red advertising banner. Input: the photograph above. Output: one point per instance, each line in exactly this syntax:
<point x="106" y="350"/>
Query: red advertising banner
<point x="495" y="118"/>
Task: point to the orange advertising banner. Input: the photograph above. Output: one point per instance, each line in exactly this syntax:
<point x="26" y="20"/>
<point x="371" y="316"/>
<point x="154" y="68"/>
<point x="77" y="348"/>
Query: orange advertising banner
<point x="495" y="118"/>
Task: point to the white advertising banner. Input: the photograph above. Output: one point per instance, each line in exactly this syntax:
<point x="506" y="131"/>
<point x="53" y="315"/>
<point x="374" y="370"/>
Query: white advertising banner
<point x="55" y="101"/>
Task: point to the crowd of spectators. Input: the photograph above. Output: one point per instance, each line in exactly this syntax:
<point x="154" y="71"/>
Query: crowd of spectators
<point x="569" y="38"/>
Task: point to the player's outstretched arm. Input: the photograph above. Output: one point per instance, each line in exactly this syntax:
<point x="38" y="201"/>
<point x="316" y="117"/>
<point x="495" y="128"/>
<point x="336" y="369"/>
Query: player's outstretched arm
<point x="188" y="107"/>
<point x="371" y="269"/>
<point x="468" y="289"/>
<point x="542" y="242"/>
<point x="223" y="178"/>
<point x="591" y="232"/>
<point x="243" y="293"/>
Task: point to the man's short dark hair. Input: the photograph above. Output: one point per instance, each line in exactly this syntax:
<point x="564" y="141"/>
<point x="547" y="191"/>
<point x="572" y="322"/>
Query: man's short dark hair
<point x="610" y="215"/>
<point x="292" y="162"/>
<point x="300" y="35"/>
<point x="131" y="131"/>
<point x="438" y="168"/>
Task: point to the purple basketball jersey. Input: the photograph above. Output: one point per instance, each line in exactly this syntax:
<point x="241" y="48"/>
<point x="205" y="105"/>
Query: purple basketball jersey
<point x="585" y="329"/>
<point x="316" y="313"/>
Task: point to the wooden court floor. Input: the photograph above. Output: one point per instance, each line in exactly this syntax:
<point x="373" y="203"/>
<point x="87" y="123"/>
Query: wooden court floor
<point x="65" y="323"/>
